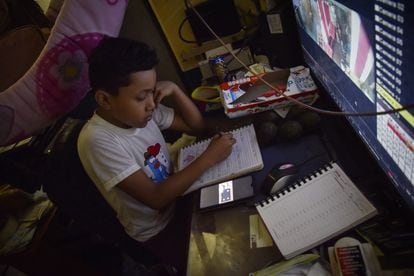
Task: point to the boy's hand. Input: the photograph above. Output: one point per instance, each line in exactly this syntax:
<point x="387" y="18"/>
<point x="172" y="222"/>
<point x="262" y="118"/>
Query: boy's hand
<point x="164" y="89"/>
<point x="220" y="148"/>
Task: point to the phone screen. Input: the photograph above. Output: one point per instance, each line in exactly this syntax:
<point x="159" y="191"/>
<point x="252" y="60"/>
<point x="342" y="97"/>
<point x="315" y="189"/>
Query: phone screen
<point x="226" y="192"/>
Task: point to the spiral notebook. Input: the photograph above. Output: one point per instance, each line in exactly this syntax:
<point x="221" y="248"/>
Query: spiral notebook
<point x="314" y="210"/>
<point x="244" y="158"/>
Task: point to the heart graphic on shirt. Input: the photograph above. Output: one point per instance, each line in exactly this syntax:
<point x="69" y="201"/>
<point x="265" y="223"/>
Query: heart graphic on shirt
<point x="154" y="150"/>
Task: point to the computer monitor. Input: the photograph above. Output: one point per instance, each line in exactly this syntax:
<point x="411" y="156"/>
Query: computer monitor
<point x="362" y="54"/>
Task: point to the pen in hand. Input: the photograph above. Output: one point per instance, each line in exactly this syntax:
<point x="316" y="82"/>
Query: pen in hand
<point x="220" y="133"/>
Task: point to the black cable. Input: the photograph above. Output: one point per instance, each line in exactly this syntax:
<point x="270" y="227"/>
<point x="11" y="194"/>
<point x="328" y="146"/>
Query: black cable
<point x="329" y="148"/>
<point x="180" y="35"/>
<point x="232" y="57"/>
<point x="246" y="39"/>
<point x="186" y="4"/>
<point x="311" y="158"/>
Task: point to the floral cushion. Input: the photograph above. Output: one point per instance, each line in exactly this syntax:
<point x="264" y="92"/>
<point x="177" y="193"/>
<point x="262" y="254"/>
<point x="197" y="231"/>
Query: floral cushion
<point x="58" y="79"/>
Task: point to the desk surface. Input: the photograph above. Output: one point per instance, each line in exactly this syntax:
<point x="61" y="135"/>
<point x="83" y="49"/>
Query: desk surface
<point x="220" y="240"/>
<point x="220" y="244"/>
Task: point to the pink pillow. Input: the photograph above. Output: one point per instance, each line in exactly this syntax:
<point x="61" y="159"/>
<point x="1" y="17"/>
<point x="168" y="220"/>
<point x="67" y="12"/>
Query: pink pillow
<point x="58" y="79"/>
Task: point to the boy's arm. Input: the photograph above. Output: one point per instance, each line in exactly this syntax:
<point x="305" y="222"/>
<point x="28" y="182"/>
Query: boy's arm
<point x="157" y="196"/>
<point x="187" y="117"/>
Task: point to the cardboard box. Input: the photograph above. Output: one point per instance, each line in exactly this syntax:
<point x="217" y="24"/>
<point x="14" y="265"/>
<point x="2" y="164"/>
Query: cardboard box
<point x="251" y="95"/>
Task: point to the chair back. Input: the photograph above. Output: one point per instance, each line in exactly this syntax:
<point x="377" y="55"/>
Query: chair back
<point x="70" y="188"/>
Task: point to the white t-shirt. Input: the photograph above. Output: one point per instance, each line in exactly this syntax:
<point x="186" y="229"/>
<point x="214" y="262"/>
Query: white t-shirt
<point x="110" y="154"/>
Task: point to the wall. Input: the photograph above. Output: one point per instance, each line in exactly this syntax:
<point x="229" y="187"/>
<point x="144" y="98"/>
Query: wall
<point x="139" y="24"/>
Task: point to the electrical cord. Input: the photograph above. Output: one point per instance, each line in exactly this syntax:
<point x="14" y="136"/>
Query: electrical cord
<point x="281" y="93"/>
<point x="180" y="34"/>
<point x="246" y="40"/>
<point x="186" y="4"/>
<point x="232" y="57"/>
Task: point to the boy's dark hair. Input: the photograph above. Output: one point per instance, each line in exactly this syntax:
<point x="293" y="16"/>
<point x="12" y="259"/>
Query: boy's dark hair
<point x="114" y="59"/>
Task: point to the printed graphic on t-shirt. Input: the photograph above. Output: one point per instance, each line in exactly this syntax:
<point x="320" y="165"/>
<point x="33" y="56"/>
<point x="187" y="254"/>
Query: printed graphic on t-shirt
<point x="156" y="161"/>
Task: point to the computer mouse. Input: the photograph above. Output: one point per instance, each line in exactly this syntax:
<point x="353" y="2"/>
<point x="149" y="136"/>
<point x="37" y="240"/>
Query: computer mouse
<point x="279" y="177"/>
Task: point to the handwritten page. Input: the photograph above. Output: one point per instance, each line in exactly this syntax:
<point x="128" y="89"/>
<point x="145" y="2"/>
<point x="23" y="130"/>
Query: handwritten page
<point x="245" y="158"/>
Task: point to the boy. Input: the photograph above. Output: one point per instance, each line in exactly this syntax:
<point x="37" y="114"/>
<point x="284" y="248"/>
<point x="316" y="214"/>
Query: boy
<point x="122" y="149"/>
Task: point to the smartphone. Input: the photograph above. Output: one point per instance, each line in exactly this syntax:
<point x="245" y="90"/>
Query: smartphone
<point x="224" y="193"/>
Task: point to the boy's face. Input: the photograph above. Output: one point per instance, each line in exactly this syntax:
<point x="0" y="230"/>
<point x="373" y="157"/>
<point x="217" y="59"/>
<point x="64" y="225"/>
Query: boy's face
<point x="134" y="104"/>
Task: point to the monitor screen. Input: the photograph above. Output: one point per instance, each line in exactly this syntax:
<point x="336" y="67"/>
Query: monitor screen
<point x="362" y="54"/>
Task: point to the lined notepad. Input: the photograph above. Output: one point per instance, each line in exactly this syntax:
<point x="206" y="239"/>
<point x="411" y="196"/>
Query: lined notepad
<point x="244" y="158"/>
<point x="314" y="210"/>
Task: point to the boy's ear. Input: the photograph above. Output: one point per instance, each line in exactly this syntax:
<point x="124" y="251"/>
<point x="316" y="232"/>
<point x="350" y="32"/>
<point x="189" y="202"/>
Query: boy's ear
<point x="103" y="99"/>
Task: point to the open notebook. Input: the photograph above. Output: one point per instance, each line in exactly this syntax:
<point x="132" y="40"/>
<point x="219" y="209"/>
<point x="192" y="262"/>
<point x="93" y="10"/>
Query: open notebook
<point x="245" y="158"/>
<point x="314" y="210"/>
